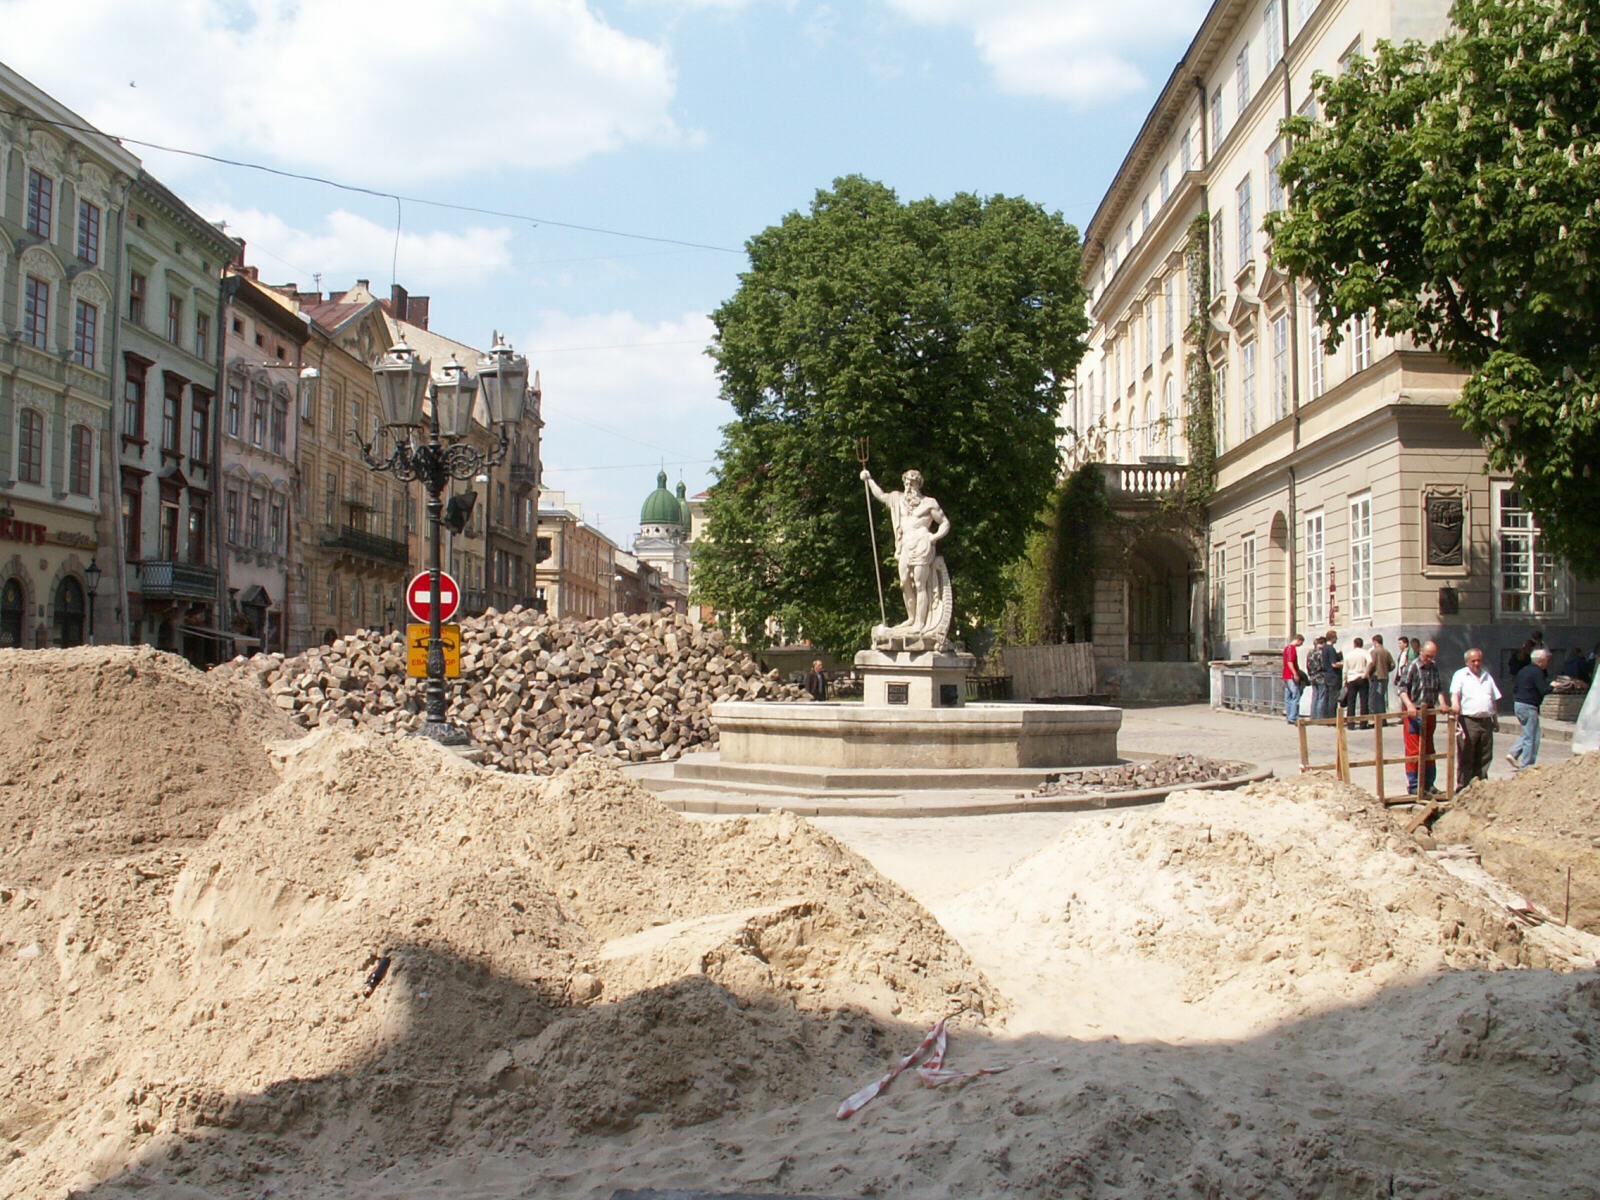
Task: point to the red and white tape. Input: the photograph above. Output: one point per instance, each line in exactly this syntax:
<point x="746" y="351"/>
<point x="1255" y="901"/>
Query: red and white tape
<point x="931" y="1071"/>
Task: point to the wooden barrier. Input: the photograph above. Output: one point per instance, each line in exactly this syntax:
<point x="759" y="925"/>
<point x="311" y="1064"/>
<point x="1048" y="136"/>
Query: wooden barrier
<point x="1342" y="765"/>
<point x="1043" y="672"/>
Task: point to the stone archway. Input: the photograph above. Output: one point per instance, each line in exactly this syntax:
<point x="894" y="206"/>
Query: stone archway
<point x="1160" y="576"/>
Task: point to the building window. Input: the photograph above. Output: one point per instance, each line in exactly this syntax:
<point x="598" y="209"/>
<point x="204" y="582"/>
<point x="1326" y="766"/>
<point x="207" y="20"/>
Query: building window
<point x="235" y="408"/>
<point x="36" y="312"/>
<point x="202" y="335"/>
<point x="1219" y="260"/>
<point x="1280" y="366"/>
<point x="1274" y="179"/>
<point x="330" y="497"/>
<point x="136" y="290"/>
<point x="275" y="524"/>
<point x="30" y="446"/>
<point x="1219" y="593"/>
<point x="1150" y="333"/>
<point x="1166" y="182"/>
<point x="1219" y="385"/>
<point x="1247" y="386"/>
<point x="1169" y="310"/>
<point x="1360" y="343"/>
<point x="1361" y="557"/>
<point x="133" y="404"/>
<point x="1186" y="152"/>
<point x="258" y="416"/>
<point x="230" y="512"/>
<point x="333" y="597"/>
<point x="88" y="232"/>
<point x="1216" y="119"/>
<point x="1528" y="581"/>
<point x="280" y="424"/>
<point x="40" y="218"/>
<point x="174" y="319"/>
<point x="1303" y="10"/>
<point x="1271" y="34"/>
<point x="252" y="523"/>
<point x="1144" y="214"/>
<point x="168" y="532"/>
<point x="132" y="517"/>
<point x="85" y="331"/>
<point x="1316" y="598"/>
<point x="335" y="399"/>
<point x="1169" y="411"/>
<point x="197" y="529"/>
<point x="1314" y="355"/>
<point x="80" y="461"/>
<point x="1247" y="583"/>
<point x="1241" y="71"/>
<point x="1247" y="240"/>
<point x="200" y="429"/>
<point x="171" y="416"/>
<point x="1348" y="58"/>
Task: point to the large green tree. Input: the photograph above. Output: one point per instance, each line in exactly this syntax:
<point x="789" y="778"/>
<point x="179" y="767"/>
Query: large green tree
<point x="1454" y="192"/>
<point x="941" y="332"/>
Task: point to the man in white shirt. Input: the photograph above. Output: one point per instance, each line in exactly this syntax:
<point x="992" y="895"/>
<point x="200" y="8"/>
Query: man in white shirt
<point x="1357" y="666"/>
<point x="1474" y="697"/>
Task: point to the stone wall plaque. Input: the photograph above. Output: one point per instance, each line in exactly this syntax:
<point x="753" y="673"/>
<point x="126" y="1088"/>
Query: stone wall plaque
<point x="1445" y="526"/>
<point x="898" y="693"/>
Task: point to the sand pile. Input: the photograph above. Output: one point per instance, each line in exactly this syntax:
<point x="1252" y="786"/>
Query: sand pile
<point x="1539" y="831"/>
<point x="107" y="748"/>
<point x="565" y="957"/>
<point x="537" y="694"/>
<point x="1215" y="916"/>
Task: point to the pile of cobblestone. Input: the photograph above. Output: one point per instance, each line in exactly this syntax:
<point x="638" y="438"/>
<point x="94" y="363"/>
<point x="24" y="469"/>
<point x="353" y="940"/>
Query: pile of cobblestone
<point x="537" y="694"/>
<point x="1168" y="771"/>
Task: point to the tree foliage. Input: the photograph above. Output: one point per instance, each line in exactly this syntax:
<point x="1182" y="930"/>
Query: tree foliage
<point x="940" y="331"/>
<point x="1453" y="191"/>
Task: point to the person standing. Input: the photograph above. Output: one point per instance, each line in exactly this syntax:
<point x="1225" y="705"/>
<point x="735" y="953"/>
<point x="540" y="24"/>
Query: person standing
<point x="1332" y="674"/>
<point x="1407" y="656"/>
<point x="1418" y="689"/>
<point x="1313" y="674"/>
<point x="1294" y="679"/>
<point x="1378" y="676"/>
<point x="1357" y="665"/>
<point x="1474" y="696"/>
<point x="816" y="681"/>
<point x="1528" y="691"/>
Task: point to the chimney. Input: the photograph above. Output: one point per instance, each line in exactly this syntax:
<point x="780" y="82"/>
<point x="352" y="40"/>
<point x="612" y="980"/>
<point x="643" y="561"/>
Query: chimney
<point x="417" y="311"/>
<point x="397" y="302"/>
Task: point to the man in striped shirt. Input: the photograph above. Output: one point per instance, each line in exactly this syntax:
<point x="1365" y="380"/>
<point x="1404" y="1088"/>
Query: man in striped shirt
<point x="1418" y="687"/>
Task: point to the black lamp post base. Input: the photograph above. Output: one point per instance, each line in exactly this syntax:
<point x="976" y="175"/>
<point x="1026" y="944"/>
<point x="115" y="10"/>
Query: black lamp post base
<point x="445" y="733"/>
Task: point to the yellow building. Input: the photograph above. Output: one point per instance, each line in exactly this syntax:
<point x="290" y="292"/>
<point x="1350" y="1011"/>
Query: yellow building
<point x="577" y="578"/>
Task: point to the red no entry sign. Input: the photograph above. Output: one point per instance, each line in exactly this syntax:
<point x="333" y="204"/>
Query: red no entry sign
<point x="417" y="601"/>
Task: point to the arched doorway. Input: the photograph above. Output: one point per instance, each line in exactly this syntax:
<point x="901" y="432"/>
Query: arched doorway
<point x="69" y="612"/>
<point x="1159" y="579"/>
<point x="13" y="607"/>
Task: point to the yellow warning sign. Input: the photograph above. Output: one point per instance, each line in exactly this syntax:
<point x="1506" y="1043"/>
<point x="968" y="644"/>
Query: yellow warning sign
<point x="417" y="651"/>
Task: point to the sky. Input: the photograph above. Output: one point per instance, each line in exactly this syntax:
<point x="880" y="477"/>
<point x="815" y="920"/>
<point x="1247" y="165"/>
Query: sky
<point x="621" y="153"/>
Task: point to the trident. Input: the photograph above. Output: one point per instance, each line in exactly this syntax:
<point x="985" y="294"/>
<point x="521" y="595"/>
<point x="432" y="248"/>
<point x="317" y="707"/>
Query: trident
<point x="877" y="567"/>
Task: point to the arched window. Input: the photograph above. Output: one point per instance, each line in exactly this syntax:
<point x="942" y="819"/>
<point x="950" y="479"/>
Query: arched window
<point x="13" y="606"/>
<point x="69" y="610"/>
<point x="30" y="446"/>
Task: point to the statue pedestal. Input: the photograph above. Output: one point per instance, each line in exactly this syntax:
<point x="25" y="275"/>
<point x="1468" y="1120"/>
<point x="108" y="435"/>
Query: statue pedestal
<point x="901" y="679"/>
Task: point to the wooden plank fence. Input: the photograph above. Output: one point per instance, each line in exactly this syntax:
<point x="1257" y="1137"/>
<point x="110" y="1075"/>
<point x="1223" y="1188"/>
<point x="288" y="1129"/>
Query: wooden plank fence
<point x="1050" y="672"/>
<point x="1343" y="764"/>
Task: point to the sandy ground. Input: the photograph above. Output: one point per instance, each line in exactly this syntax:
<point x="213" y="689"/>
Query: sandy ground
<point x="1262" y="993"/>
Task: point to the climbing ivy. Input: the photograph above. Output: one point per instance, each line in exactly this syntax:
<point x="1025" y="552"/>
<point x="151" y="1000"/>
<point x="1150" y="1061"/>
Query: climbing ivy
<point x="1199" y="397"/>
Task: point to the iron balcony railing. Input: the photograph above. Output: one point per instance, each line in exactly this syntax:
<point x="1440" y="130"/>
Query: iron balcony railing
<point x="523" y="476"/>
<point x="359" y="541"/>
<point x="167" y="577"/>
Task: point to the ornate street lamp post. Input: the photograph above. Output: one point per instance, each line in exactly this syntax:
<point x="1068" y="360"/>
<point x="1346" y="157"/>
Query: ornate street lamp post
<point x="403" y="380"/>
<point x="91" y="575"/>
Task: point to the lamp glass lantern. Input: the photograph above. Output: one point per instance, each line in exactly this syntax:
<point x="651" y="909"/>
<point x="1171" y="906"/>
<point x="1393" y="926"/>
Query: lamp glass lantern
<point x="402" y="381"/>
<point x="503" y="375"/>
<point x="454" y="391"/>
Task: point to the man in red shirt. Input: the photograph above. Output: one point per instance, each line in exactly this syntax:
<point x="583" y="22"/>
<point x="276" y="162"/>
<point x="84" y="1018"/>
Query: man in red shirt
<point x="1294" y="679"/>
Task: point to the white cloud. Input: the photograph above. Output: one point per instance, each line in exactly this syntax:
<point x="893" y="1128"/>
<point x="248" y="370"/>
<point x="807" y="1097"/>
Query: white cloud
<point x="349" y="245"/>
<point x="1080" y="51"/>
<point x="624" y="397"/>
<point x="388" y="93"/>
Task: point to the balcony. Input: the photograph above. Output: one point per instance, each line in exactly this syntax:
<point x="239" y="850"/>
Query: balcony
<point x="1131" y="482"/>
<point x="164" y="577"/>
<point x="359" y="541"/>
<point x="524" y="476"/>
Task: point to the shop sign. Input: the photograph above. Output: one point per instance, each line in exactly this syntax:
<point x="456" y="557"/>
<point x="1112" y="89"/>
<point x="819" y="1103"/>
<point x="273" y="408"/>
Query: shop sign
<point x="26" y="532"/>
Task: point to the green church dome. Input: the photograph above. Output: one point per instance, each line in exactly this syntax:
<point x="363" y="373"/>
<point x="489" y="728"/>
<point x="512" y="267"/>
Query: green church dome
<point x="661" y="507"/>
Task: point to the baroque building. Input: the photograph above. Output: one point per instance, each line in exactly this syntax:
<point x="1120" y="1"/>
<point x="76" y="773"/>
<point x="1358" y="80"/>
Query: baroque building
<point x="1345" y="494"/>
<point x="63" y="194"/>
<point x="663" y="542"/>
<point x="577" y="569"/>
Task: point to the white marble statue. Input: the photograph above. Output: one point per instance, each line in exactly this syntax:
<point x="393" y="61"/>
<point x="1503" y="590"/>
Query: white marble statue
<point x="919" y="524"/>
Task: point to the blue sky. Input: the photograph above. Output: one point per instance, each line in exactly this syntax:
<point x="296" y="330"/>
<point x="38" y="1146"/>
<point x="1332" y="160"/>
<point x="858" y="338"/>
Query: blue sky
<point x="695" y="121"/>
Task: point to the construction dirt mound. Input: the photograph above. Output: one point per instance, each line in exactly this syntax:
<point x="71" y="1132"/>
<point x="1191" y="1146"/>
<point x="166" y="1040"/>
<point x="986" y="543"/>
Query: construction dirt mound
<point x="1539" y="831"/>
<point x="107" y="749"/>
<point x="159" y="997"/>
<point x="1221" y="916"/>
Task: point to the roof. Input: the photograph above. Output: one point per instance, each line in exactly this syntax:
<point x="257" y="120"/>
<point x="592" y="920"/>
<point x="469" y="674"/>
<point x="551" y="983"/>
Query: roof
<point x="661" y="507"/>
